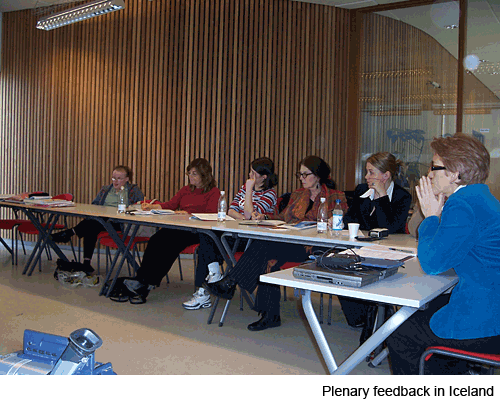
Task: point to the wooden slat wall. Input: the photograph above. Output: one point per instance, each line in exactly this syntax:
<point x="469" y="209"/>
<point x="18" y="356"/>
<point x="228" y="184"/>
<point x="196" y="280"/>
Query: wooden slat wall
<point x="163" y="82"/>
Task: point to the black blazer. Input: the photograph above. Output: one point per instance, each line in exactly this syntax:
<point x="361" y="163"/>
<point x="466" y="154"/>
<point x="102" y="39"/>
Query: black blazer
<point x="389" y="214"/>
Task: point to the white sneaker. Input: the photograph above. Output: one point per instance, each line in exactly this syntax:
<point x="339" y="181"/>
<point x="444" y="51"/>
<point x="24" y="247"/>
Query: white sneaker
<point x="214" y="273"/>
<point x="200" y="299"/>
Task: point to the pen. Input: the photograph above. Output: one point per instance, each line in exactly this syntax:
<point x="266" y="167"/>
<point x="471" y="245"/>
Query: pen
<point x="404" y="251"/>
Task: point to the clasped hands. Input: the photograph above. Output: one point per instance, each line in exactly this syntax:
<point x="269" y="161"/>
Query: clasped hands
<point x="430" y="204"/>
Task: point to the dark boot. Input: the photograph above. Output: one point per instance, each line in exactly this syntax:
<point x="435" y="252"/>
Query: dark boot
<point x="224" y="288"/>
<point x="266" y="321"/>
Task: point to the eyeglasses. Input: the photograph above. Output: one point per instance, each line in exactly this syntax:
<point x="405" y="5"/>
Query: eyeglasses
<point x="434" y="168"/>
<point x="299" y="175"/>
<point x="118" y="179"/>
<point x="192" y="174"/>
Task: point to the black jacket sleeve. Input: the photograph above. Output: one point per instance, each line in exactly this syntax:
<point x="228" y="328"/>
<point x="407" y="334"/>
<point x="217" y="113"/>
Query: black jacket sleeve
<point x="389" y="214"/>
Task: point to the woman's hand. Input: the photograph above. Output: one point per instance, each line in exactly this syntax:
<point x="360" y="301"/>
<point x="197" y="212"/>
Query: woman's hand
<point x="257" y="216"/>
<point x="430" y="204"/>
<point x="149" y="206"/>
<point x="379" y="187"/>
<point x="180" y="212"/>
<point x="249" y="185"/>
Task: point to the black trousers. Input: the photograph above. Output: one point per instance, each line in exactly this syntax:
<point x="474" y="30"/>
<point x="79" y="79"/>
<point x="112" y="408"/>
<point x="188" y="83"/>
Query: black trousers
<point x="254" y="262"/>
<point x="89" y="229"/>
<point x="410" y="340"/>
<point x="163" y="249"/>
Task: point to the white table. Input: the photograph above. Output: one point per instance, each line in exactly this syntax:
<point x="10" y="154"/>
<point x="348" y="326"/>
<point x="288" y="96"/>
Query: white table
<point x="410" y="288"/>
<point x="105" y="215"/>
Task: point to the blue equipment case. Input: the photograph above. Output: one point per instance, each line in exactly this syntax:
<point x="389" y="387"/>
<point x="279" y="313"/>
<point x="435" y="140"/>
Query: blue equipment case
<point x="48" y="354"/>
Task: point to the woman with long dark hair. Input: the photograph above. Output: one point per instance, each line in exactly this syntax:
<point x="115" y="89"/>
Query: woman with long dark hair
<point x="264" y="256"/>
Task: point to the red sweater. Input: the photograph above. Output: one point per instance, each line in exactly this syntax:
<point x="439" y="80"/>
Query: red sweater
<point x="195" y="201"/>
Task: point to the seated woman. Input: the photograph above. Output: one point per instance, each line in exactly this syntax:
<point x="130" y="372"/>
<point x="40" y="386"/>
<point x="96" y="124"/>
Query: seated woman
<point x="463" y="234"/>
<point x="201" y="195"/>
<point x="380" y="202"/>
<point x="108" y="196"/>
<point x="256" y="196"/>
<point x="264" y="256"/>
<point x="377" y="203"/>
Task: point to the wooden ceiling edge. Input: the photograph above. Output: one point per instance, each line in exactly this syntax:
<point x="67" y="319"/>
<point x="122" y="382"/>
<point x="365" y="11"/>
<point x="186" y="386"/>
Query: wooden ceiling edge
<point x="400" y="5"/>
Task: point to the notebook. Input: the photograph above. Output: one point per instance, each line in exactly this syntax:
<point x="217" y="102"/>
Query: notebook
<point x="347" y="278"/>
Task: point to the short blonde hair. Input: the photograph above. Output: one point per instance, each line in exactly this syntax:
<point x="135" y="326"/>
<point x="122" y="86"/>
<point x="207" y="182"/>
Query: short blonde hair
<point x="464" y="154"/>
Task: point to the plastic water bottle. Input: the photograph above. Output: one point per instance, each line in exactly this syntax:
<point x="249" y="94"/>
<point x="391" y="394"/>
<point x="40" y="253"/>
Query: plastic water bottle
<point x="122" y="204"/>
<point x="337" y="216"/>
<point x="222" y="207"/>
<point x="322" y="220"/>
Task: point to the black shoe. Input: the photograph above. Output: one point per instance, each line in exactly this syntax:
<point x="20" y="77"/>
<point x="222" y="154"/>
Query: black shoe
<point x="224" y="288"/>
<point x="87" y="268"/>
<point x="265" y="322"/>
<point x="63" y="236"/>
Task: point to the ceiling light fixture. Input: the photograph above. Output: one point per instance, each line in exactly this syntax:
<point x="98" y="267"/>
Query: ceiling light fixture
<point x="83" y="12"/>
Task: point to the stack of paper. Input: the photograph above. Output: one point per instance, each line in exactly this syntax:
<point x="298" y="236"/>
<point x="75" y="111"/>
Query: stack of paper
<point x="49" y="202"/>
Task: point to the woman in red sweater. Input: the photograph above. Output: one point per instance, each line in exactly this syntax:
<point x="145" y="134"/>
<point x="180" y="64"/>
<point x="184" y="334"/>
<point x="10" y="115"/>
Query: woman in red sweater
<point x="201" y="195"/>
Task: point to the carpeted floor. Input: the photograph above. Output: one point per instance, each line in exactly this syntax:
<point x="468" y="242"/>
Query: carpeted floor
<point x="160" y="337"/>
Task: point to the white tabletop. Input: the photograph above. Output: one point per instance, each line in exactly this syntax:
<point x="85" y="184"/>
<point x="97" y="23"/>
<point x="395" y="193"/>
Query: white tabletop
<point x="410" y="286"/>
<point x="90" y="210"/>
<point x="312" y="237"/>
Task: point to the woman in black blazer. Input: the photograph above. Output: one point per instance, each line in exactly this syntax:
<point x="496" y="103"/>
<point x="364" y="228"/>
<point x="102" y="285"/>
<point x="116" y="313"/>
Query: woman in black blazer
<point x="377" y="203"/>
<point x="380" y="202"/>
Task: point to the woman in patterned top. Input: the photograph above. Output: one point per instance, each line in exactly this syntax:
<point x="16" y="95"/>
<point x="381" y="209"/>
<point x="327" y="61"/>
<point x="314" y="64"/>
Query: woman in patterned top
<point x="261" y="257"/>
<point x="256" y="197"/>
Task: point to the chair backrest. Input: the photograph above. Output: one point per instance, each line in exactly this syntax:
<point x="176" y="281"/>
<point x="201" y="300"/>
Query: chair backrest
<point x="64" y="196"/>
<point x="283" y="201"/>
<point x="349" y="196"/>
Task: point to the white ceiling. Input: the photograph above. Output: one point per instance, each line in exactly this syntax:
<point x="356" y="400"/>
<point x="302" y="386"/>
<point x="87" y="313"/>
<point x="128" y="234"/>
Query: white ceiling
<point x="483" y="28"/>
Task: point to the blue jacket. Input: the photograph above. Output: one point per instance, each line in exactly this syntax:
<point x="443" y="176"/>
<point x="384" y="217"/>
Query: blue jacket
<point x="467" y="239"/>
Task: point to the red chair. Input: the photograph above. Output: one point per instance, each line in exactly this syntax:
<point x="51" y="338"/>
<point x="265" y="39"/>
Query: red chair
<point x="108" y="243"/>
<point x="29" y="228"/>
<point x="193" y="249"/>
<point x="490" y="360"/>
<point x="12" y="224"/>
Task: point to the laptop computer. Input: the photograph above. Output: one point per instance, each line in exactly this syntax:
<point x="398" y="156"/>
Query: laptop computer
<point x="347" y="278"/>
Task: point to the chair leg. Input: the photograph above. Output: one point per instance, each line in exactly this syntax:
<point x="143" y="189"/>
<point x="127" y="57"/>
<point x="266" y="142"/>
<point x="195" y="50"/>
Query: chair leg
<point x="212" y="311"/>
<point x="98" y="256"/>
<point x="16" y="248"/>
<point x="22" y="244"/>
<point x="180" y="266"/>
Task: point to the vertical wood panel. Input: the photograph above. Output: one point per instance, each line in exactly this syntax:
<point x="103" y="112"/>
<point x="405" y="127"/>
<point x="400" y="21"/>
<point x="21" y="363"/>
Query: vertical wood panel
<point x="160" y="83"/>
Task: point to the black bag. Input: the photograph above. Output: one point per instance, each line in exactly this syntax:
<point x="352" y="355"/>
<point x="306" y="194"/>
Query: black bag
<point x="120" y="292"/>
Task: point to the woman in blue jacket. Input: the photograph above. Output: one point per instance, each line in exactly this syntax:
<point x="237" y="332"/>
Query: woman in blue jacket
<point x="463" y="234"/>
